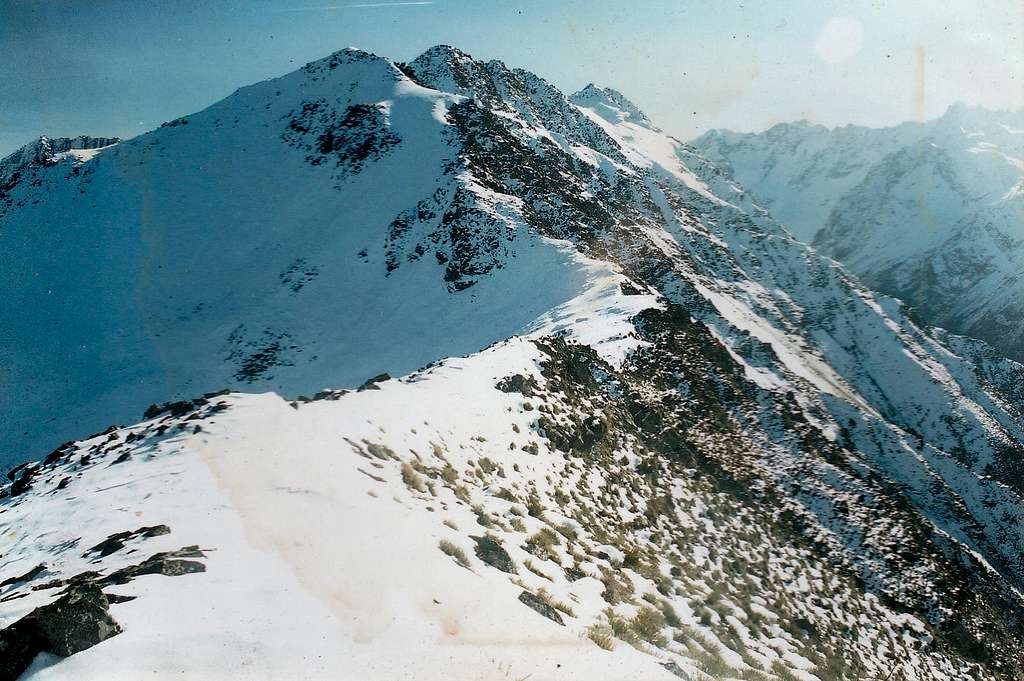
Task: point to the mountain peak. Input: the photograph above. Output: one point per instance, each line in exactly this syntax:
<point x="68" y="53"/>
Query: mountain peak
<point x="352" y="57"/>
<point x="958" y="108"/>
<point x="449" y="69"/>
<point x="346" y="55"/>
<point x="961" y="113"/>
<point x="444" y="54"/>
<point x="611" y="105"/>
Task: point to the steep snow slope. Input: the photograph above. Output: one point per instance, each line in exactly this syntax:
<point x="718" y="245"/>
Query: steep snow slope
<point x="931" y="213"/>
<point x="763" y="468"/>
<point x="242" y="247"/>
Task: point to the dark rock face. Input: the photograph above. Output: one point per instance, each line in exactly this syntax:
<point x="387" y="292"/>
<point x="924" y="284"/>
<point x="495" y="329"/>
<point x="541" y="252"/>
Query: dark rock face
<point x="299" y="273"/>
<point x="176" y="409"/>
<point x="74" y="622"/>
<point x="27" y="577"/>
<point x="19" y="645"/>
<point x="12" y="474"/>
<point x="258" y="353"/>
<point x="573" y="574"/>
<point x="581" y="436"/>
<point x="562" y="196"/>
<point x="538" y="604"/>
<point x="517" y="383"/>
<point x="491" y="552"/>
<point x="347" y="138"/>
<point x="517" y="91"/>
<point x="168" y="563"/>
<point x="676" y="670"/>
<point x="116" y="542"/>
<point x="173" y="408"/>
<point x="80" y="618"/>
<point x="371" y="383"/>
<point x="628" y="289"/>
<point x="23" y="482"/>
<point x="58" y="454"/>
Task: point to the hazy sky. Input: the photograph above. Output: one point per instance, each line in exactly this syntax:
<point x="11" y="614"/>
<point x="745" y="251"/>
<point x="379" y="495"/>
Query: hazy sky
<point x="123" y="67"/>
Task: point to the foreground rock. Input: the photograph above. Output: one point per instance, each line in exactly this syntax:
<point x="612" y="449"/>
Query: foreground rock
<point x="74" y="622"/>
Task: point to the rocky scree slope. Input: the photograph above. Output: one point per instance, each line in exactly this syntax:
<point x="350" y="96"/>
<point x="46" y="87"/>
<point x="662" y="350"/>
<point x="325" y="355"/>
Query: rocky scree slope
<point x="932" y="213"/>
<point x="692" y="440"/>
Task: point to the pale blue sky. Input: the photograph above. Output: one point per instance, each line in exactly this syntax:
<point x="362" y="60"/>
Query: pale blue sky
<point x="113" y="67"/>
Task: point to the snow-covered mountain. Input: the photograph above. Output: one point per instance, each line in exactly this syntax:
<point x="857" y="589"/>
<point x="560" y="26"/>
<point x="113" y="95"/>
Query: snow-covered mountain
<point x="932" y="213"/>
<point x="639" y="431"/>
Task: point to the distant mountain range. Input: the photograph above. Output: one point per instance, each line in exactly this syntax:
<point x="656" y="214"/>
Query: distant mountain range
<point x="932" y="213"/>
<point x="429" y="371"/>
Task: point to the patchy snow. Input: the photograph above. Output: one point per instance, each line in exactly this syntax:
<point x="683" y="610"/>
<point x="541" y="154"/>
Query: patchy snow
<point x="315" y="575"/>
<point x="324" y="556"/>
<point x="799" y="360"/>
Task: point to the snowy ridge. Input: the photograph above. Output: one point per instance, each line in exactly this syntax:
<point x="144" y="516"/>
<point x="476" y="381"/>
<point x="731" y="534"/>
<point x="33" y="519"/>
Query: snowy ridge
<point x="675" y="433"/>
<point x="385" y="468"/>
